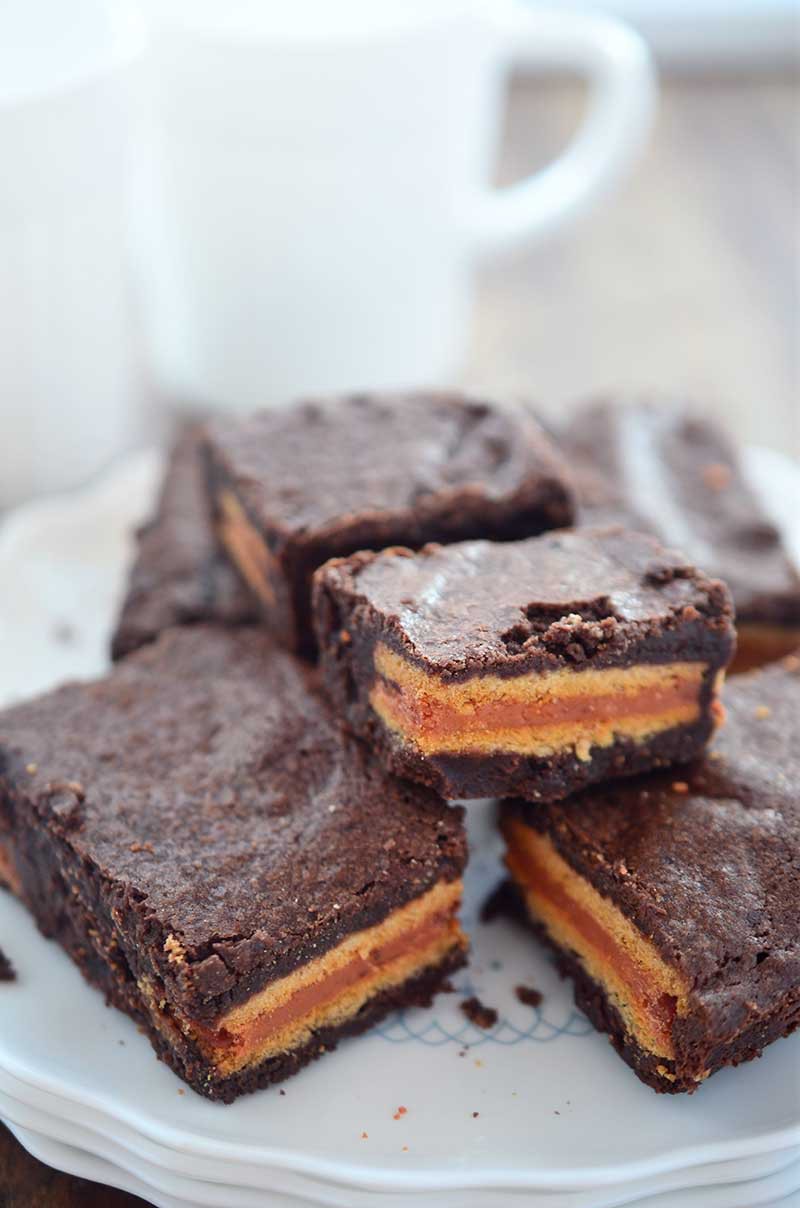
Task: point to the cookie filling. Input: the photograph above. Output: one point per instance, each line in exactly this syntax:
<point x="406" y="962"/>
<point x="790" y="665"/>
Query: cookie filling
<point x="647" y="992"/>
<point x="534" y="714"/>
<point x="246" y="546"/>
<point x="333" y="988"/>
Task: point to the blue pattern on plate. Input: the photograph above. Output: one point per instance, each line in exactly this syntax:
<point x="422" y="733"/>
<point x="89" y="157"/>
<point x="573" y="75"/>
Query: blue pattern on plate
<point x="426" y="1027"/>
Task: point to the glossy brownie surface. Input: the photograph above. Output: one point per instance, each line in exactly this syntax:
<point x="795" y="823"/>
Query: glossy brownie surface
<point x="577" y="598"/>
<point x="204" y="790"/>
<point x="329" y="477"/>
<point x="360" y="463"/>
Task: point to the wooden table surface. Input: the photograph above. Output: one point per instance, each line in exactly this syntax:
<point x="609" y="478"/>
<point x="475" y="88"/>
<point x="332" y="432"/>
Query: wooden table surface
<point x="687" y="281"/>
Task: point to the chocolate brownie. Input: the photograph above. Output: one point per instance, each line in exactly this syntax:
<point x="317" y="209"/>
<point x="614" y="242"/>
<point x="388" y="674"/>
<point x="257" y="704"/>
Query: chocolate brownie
<point x="180" y="575"/>
<point x="533" y="667"/>
<point x="673" y="900"/>
<point x="7" y="973"/>
<point x="218" y="858"/>
<point x="666" y="470"/>
<point x="322" y="479"/>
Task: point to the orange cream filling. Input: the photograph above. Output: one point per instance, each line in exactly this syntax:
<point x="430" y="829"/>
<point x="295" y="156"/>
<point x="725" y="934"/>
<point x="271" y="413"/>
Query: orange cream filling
<point x="536" y="714"/>
<point x="647" y="992"/>
<point x="332" y="989"/>
<point x="246" y="546"/>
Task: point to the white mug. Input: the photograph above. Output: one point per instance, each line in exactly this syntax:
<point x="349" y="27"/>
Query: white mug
<point x="320" y="189"/>
<point x="71" y="379"/>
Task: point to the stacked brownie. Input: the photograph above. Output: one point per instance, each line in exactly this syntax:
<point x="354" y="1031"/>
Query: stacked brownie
<point x="254" y="856"/>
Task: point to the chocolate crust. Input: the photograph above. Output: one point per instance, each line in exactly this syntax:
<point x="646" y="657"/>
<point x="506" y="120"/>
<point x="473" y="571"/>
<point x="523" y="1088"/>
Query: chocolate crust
<point x="98" y="956"/>
<point x="96" y="781"/>
<point x="575" y="599"/>
<point x="539" y="779"/>
<point x="705" y="861"/>
<point x="326" y="478"/>
<point x="658" y="1072"/>
<point x="664" y="468"/>
<point x="179" y="575"/>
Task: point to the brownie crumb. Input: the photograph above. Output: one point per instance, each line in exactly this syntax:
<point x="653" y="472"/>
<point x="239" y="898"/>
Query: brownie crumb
<point x="479" y="1014"/>
<point x="502" y="903"/>
<point x="528" y="996"/>
<point x="7" y="971"/>
<point x="475" y="1115"/>
<point x="281" y="1091"/>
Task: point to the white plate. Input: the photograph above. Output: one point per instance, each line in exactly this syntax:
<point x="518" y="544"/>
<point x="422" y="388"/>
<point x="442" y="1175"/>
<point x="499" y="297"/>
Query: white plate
<point x="775" y="1190"/>
<point x="725" y="1179"/>
<point x="558" y="1110"/>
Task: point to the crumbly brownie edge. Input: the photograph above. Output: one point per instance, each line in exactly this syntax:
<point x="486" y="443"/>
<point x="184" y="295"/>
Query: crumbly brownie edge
<point x="348" y="627"/>
<point x="54" y="879"/>
<point x="89" y="939"/>
<point x="73" y="930"/>
<point x="416" y="992"/>
<point x="537" y="779"/>
<point x="656" y="1072"/>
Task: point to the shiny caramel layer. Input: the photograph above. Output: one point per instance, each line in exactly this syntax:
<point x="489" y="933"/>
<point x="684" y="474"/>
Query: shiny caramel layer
<point x="647" y="992"/>
<point x="332" y="989"/>
<point x="757" y="644"/>
<point x="245" y="546"/>
<point x="533" y="714"/>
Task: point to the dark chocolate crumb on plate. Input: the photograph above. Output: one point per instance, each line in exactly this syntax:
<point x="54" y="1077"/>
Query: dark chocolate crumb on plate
<point x="7" y="971"/>
<point x="475" y="1011"/>
<point x="502" y="903"/>
<point x="528" y="996"/>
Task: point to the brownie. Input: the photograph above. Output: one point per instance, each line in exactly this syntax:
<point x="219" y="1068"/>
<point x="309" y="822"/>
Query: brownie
<point x="532" y="667"/>
<point x="667" y="470"/>
<point x="213" y="853"/>
<point x="296" y="486"/>
<point x="180" y="575"/>
<point x="7" y="973"/>
<point x="696" y="873"/>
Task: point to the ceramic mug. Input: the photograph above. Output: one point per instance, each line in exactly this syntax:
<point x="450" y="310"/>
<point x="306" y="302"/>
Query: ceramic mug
<point x="71" y="380"/>
<point x="319" y="192"/>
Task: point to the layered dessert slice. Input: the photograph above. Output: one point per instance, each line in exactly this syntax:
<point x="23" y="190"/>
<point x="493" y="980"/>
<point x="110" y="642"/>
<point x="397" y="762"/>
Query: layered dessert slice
<point x="668" y="470"/>
<point x="180" y="575"/>
<point x="216" y="857"/>
<point x="533" y="667"/>
<point x="673" y="900"/>
<point x="293" y="487"/>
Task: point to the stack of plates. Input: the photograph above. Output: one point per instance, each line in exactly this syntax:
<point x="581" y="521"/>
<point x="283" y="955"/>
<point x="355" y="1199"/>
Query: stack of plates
<point x="537" y="1110"/>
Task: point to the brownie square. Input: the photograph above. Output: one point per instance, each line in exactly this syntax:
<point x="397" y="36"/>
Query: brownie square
<point x="533" y="667"/>
<point x="297" y="486"/>
<point x="218" y="859"/>
<point x="180" y="575"/>
<point x="673" y="900"/>
<point x="668" y="470"/>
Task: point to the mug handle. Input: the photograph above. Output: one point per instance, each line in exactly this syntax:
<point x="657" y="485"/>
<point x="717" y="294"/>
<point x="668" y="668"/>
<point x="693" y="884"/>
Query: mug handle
<point x="618" y="65"/>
